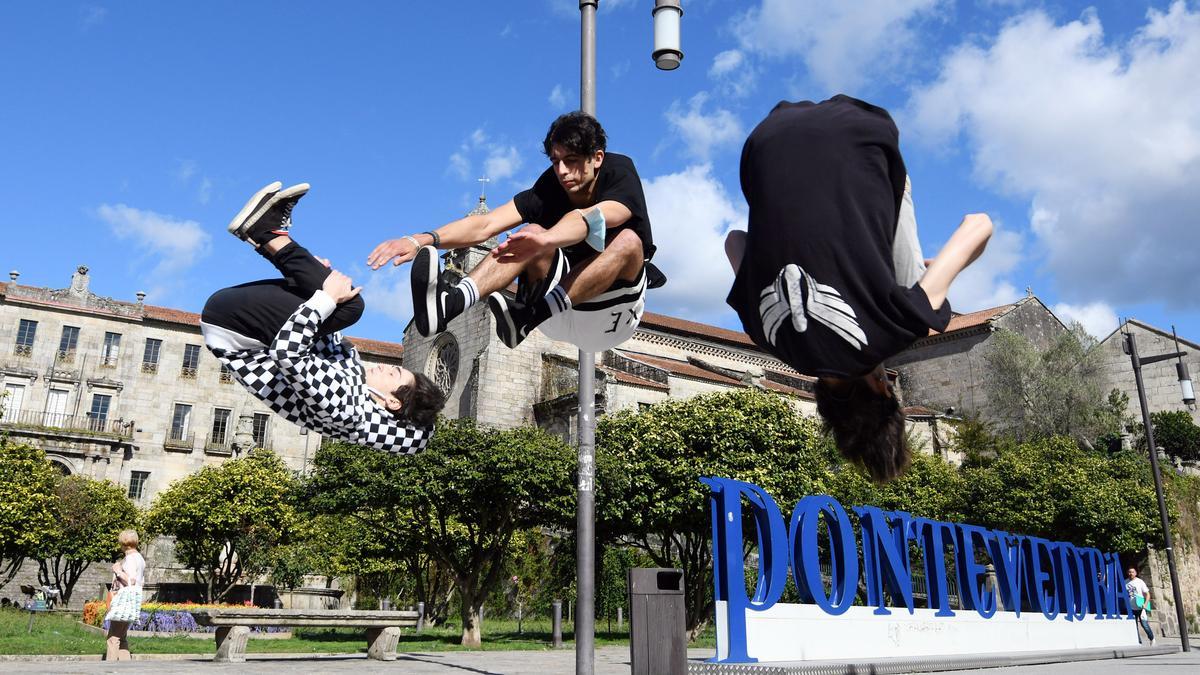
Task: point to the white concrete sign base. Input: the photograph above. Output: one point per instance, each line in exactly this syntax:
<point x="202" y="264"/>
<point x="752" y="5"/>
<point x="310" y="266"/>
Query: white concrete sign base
<point x="787" y="632"/>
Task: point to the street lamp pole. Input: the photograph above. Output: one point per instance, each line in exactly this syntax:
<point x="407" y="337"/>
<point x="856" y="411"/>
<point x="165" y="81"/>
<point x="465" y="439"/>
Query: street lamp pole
<point x="585" y="510"/>
<point x="1130" y="346"/>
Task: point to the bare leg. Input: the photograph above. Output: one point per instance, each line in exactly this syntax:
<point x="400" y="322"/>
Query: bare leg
<point x="735" y="248"/>
<point x="492" y="275"/>
<point x="621" y="259"/>
<point x="117" y="643"/>
<point x="965" y="245"/>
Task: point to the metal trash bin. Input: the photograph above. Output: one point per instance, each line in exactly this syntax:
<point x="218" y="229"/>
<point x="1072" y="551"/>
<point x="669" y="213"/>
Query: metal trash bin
<point x="657" y="622"/>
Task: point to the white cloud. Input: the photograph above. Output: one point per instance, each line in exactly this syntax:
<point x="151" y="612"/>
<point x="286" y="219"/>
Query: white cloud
<point x="558" y="97"/>
<point x="185" y="169"/>
<point x="1097" y="317"/>
<point x="501" y="162"/>
<point x="988" y="281"/>
<point x="176" y="244"/>
<point x="841" y="43"/>
<point x="702" y="133"/>
<point x="91" y="15"/>
<point x="204" y="193"/>
<point x="496" y="158"/>
<point x="1103" y="139"/>
<point x="691" y="212"/>
<point x="387" y="291"/>
<point x="733" y="72"/>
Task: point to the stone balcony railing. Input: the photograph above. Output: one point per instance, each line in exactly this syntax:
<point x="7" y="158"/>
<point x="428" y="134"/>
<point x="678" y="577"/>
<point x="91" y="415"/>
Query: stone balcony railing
<point x="86" y="424"/>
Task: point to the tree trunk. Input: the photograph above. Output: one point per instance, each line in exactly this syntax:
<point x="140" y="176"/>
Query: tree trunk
<point x="471" y="629"/>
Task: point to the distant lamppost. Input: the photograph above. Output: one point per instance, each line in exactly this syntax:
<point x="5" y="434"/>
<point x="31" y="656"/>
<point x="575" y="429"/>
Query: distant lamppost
<point x="1185" y="384"/>
<point x="667" y="55"/>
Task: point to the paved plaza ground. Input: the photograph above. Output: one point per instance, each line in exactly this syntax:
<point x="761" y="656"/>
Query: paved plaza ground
<point x="609" y="661"/>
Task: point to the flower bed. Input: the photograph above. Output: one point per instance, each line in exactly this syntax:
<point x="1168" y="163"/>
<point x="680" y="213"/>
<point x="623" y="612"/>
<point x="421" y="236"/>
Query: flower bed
<point x="162" y="617"/>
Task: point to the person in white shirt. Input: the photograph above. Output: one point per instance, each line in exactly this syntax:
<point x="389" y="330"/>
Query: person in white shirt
<point x="129" y="576"/>
<point x="1139" y="598"/>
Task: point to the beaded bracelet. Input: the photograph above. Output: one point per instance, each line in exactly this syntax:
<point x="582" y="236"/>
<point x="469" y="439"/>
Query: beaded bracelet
<point x="437" y="241"/>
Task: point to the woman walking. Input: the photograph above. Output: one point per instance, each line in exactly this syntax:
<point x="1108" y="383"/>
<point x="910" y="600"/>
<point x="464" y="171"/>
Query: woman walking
<point x="126" y="604"/>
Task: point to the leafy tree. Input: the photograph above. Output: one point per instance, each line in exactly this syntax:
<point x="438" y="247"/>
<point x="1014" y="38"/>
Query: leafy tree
<point x="89" y="514"/>
<point x="1057" y="391"/>
<point x="652" y="496"/>
<point x="460" y="502"/>
<point x="1052" y="488"/>
<point x="27" y="504"/>
<point x="223" y="517"/>
<point x="1176" y="433"/>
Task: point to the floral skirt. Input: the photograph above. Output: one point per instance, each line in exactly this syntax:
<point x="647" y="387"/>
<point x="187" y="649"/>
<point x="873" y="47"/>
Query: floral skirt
<point x="126" y="605"/>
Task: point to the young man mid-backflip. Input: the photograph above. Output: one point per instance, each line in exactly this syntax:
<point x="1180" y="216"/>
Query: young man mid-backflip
<point x="829" y="275"/>
<point x="280" y="338"/>
<point x="582" y="260"/>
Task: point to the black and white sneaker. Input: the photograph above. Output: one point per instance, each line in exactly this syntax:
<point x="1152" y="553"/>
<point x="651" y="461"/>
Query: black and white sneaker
<point x="428" y="292"/>
<point x="512" y="326"/>
<point x="252" y="207"/>
<point x="271" y="219"/>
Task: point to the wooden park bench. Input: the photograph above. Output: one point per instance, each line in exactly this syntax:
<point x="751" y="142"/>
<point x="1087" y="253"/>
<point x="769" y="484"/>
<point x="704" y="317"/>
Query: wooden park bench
<point x="233" y="627"/>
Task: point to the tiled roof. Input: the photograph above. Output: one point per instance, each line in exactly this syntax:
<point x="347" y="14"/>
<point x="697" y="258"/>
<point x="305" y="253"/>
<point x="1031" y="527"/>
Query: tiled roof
<point x="393" y="350"/>
<point x="677" y="325"/>
<point x="685" y="369"/>
<point x="964" y="321"/>
<point x="169" y="315"/>
<point x="918" y="411"/>
<point x="636" y="381"/>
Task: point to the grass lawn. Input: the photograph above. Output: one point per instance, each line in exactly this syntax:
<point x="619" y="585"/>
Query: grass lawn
<point x="62" y="634"/>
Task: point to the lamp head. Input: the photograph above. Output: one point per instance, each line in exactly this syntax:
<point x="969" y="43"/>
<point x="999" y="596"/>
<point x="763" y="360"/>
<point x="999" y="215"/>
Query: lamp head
<point x="667" y="51"/>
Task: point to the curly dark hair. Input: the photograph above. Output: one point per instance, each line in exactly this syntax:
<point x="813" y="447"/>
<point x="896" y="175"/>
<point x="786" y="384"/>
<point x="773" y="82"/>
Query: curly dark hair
<point x="867" y="426"/>
<point x="576" y="131"/>
<point x="423" y="400"/>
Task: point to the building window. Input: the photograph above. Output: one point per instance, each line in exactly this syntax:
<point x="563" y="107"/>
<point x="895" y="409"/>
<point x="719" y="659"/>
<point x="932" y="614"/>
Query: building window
<point x="150" y="356"/>
<point x="111" y="350"/>
<point x="56" y="408"/>
<point x="442" y="367"/>
<point x="98" y="416"/>
<point x="26" y="332"/>
<point x="259" y="430"/>
<point x="191" y="361"/>
<point x="226" y="374"/>
<point x="181" y="421"/>
<point x="220" y="427"/>
<point x="137" y="483"/>
<point x="13" y="402"/>
<point x="642" y="405"/>
<point x="67" y="344"/>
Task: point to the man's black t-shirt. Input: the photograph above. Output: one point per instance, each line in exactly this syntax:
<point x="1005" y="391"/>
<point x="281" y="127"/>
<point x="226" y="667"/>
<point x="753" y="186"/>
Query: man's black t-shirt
<point x="617" y="180"/>
<point x="817" y="284"/>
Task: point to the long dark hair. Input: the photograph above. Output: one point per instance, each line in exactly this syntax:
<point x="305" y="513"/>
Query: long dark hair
<point x="867" y="426"/>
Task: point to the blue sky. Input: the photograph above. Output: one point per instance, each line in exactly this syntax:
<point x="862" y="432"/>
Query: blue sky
<point x="132" y="132"/>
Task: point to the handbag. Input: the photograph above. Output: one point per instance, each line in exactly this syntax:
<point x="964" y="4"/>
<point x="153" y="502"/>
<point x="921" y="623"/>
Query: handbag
<point x="126" y="605"/>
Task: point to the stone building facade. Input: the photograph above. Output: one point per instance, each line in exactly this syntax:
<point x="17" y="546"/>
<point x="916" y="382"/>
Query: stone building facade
<point x="1160" y="379"/>
<point x="947" y="370"/>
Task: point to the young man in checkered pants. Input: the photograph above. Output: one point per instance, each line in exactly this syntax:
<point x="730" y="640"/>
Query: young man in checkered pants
<point x="280" y="338"/>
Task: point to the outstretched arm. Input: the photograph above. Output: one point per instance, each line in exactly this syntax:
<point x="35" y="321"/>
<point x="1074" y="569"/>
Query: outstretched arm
<point x="570" y="229"/>
<point x="965" y="245"/>
<point x="458" y="234"/>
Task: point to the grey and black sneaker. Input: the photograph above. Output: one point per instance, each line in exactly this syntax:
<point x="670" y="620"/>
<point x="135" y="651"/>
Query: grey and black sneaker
<point x="271" y="219"/>
<point x="512" y="323"/>
<point x="428" y="292"/>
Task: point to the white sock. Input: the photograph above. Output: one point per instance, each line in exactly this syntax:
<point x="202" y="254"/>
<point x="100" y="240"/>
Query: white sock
<point x="558" y="301"/>
<point x="469" y="290"/>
